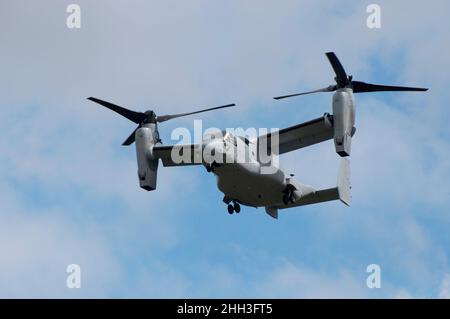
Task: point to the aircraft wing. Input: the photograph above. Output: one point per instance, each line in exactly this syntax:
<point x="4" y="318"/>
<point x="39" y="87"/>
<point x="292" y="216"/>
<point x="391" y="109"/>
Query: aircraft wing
<point x="301" y="135"/>
<point x="179" y="155"/>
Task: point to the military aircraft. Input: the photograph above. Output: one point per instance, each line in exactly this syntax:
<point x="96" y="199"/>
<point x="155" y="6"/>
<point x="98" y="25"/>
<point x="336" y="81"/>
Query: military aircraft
<point x="246" y="171"/>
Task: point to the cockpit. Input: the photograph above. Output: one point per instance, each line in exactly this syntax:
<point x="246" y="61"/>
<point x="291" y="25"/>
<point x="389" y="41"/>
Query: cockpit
<point x="227" y="137"/>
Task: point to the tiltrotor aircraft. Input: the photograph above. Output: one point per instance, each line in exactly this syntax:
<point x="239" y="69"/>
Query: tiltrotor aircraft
<point x="255" y="181"/>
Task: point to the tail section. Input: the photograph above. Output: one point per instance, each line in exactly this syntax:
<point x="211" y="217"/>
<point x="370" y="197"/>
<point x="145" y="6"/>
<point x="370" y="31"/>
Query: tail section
<point x="341" y="192"/>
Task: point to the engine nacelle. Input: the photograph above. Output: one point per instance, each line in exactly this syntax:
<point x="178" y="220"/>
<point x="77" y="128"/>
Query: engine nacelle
<point x="343" y="121"/>
<point x="146" y="137"/>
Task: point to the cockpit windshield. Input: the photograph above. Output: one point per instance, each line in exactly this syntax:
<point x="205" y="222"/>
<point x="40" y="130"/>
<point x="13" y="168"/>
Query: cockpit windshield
<point x="212" y="135"/>
<point x="230" y="138"/>
<point x="245" y="140"/>
<point x="224" y="135"/>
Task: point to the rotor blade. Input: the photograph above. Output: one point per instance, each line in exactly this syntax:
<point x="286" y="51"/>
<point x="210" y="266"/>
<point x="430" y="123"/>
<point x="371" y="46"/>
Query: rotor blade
<point x="136" y="117"/>
<point x="362" y="87"/>
<point x="164" y="118"/>
<point x="130" y="139"/>
<point x="330" y="88"/>
<point x="341" y="76"/>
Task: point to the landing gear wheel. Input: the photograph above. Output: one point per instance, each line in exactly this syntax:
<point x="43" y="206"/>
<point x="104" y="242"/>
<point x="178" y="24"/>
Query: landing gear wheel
<point x="208" y="168"/>
<point x="230" y="209"/>
<point x="286" y="199"/>
<point x="291" y="197"/>
<point x="237" y="208"/>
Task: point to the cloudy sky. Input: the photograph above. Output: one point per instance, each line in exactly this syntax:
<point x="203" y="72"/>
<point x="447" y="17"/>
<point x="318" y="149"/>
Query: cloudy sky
<point x="69" y="191"/>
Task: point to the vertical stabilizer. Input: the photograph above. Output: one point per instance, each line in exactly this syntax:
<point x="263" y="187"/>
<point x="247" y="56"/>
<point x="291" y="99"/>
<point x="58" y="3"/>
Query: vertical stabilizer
<point x="344" y="186"/>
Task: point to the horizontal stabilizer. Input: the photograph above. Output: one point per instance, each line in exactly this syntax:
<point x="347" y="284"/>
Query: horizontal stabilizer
<point x="341" y="192"/>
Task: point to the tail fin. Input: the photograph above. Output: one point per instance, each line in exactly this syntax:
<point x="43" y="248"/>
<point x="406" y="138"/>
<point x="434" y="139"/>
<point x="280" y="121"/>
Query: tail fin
<point x="344" y="187"/>
<point x="272" y="211"/>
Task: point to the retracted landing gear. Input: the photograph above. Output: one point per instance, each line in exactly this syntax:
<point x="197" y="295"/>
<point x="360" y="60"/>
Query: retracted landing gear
<point x="210" y="167"/>
<point x="288" y="196"/>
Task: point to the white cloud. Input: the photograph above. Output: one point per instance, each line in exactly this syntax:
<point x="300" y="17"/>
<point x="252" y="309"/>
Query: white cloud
<point x="35" y="251"/>
<point x="445" y="287"/>
<point x="293" y="281"/>
<point x="403" y="294"/>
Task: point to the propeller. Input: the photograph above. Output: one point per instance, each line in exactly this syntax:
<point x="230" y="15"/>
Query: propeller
<point x="345" y="81"/>
<point x="141" y="118"/>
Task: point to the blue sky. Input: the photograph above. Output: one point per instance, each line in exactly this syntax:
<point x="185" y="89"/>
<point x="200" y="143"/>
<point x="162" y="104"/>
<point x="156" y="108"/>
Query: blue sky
<point x="69" y="191"/>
